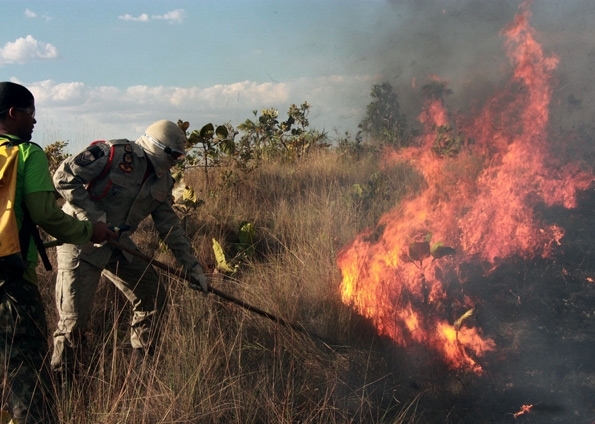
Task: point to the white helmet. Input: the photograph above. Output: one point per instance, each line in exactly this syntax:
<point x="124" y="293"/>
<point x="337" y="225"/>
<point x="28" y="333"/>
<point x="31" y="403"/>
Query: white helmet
<point x="164" y="143"/>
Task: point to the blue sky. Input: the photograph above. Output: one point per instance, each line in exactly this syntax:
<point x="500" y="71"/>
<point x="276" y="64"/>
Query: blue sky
<point x="108" y="69"/>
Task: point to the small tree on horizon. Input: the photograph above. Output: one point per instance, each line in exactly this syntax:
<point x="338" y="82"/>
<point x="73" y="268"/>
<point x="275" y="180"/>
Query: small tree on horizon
<point x="384" y="123"/>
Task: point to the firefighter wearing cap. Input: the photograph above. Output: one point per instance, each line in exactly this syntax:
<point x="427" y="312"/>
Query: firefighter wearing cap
<point x="26" y="383"/>
<point x="120" y="182"/>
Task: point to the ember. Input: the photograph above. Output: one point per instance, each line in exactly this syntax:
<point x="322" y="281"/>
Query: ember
<point x="525" y="409"/>
<point x="485" y="175"/>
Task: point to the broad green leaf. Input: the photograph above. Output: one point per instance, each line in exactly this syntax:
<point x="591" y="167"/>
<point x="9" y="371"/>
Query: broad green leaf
<point x="438" y="251"/>
<point x="457" y="324"/>
<point x="228" y="147"/>
<point x="246" y="233"/>
<point x="419" y="250"/>
<point x="189" y="195"/>
<point x="194" y="138"/>
<point x="207" y="131"/>
<point x="184" y="125"/>
<point x="222" y="264"/>
<point x="222" y="132"/>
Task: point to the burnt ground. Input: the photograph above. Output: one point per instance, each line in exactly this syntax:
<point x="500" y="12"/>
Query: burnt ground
<point x="541" y="314"/>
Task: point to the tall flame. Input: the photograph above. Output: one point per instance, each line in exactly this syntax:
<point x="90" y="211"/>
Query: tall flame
<point x="481" y="202"/>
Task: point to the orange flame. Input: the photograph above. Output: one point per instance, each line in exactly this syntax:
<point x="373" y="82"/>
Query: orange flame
<point x="525" y="409"/>
<point x="481" y="202"/>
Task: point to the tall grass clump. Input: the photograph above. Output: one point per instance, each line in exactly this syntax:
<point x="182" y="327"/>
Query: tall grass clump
<point x="218" y="363"/>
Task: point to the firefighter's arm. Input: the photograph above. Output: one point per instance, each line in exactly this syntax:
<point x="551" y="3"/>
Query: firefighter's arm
<point x="170" y="230"/>
<point x="45" y="212"/>
<point x="167" y="223"/>
<point x="73" y="175"/>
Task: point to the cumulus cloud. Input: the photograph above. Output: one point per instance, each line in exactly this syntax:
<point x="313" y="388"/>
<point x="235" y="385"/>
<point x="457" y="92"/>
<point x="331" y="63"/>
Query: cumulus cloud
<point x="175" y="16"/>
<point x="26" y="49"/>
<point x="49" y="92"/>
<point x="143" y="17"/>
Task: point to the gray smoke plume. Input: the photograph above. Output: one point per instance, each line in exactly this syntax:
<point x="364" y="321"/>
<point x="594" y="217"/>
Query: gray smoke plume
<point x="460" y="41"/>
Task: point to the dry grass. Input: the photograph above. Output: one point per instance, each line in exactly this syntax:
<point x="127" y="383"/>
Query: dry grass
<point x="219" y="363"/>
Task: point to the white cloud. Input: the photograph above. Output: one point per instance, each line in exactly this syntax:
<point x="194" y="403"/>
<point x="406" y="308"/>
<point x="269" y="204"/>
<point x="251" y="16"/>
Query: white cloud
<point x="33" y="15"/>
<point x="79" y="113"/>
<point x="48" y="92"/>
<point x="175" y="16"/>
<point x="143" y="17"/>
<point x="26" y="49"/>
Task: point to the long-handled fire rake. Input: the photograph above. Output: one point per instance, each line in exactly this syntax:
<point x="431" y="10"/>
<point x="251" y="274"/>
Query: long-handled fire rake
<point x="211" y="289"/>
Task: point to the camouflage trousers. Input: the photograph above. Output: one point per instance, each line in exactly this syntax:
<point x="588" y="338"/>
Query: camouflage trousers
<point x="27" y="390"/>
<point x="76" y="284"/>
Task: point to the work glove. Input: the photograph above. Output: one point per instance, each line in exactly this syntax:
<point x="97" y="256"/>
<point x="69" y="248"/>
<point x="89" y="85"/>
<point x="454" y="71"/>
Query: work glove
<point x="197" y="279"/>
<point x="101" y="233"/>
<point x="97" y="240"/>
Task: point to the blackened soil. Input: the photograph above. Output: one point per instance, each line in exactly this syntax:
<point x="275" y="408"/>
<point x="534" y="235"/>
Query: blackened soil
<point x="541" y="315"/>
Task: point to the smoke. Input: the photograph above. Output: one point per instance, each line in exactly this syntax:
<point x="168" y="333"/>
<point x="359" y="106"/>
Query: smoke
<point x="460" y="42"/>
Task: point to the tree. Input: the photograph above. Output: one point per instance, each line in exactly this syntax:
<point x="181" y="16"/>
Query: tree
<point x="384" y="122"/>
<point x="56" y="154"/>
<point x="264" y="138"/>
<point x="267" y="138"/>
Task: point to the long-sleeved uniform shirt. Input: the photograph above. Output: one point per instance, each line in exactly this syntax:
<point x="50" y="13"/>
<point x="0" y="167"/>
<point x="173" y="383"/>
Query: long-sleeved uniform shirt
<point x="118" y="185"/>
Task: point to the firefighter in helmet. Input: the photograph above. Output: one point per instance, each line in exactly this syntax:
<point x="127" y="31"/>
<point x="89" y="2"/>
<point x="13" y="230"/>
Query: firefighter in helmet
<point x="120" y="182"/>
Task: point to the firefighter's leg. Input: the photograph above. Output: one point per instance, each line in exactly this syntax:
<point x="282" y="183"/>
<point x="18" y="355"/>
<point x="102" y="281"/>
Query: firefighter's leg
<point x="76" y="284"/>
<point x="140" y="284"/>
<point x="23" y="349"/>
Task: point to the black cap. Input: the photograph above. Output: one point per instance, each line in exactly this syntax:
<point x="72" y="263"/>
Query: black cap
<point x="14" y="95"/>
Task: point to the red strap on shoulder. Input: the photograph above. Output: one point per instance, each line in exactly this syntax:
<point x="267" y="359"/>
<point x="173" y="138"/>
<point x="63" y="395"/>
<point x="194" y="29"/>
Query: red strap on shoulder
<point x="105" y="171"/>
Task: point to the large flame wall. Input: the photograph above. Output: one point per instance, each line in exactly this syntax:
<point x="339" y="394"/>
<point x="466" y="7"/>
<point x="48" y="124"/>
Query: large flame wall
<point x="481" y="202"/>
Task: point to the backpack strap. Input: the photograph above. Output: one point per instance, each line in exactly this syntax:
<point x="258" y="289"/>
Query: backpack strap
<point x="28" y="230"/>
<point x="105" y="171"/>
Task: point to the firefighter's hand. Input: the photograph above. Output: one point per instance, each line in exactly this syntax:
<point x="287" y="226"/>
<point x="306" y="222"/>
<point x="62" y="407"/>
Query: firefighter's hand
<point x="197" y="279"/>
<point x="101" y="233"/>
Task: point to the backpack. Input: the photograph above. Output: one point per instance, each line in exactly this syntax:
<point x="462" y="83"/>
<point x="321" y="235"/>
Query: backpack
<point x="14" y="244"/>
<point x="113" y="144"/>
